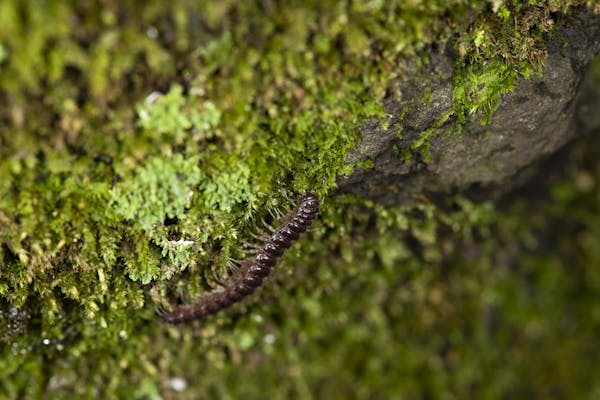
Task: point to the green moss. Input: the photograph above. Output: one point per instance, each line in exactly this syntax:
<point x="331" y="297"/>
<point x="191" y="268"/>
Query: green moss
<point x="173" y="117"/>
<point x="496" y="50"/>
<point x="141" y="147"/>
<point x="366" y="164"/>
<point x="501" y="48"/>
<point x="161" y="189"/>
<point x="479" y="89"/>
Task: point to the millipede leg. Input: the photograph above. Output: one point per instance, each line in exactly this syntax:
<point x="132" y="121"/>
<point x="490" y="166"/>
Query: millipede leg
<point x="260" y="236"/>
<point x="250" y="247"/>
<point x="217" y="281"/>
<point x="276" y="213"/>
<point x="233" y="265"/>
<point x="288" y="198"/>
<point x="269" y="227"/>
<point x="161" y="311"/>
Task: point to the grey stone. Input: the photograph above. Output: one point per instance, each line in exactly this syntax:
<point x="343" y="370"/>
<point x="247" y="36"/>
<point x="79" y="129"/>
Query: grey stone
<point x="539" y="117"/>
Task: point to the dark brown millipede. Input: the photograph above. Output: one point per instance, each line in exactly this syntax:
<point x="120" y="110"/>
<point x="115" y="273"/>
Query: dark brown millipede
<point x="253" y="271"/>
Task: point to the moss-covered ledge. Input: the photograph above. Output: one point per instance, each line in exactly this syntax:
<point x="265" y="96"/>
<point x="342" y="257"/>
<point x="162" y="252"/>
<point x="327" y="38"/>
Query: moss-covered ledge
<point x="461" y="127"/>
<point x="141" y="145"/>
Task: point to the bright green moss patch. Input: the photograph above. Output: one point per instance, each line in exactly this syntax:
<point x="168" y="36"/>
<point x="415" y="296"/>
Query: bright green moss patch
<point x="480" y="88"/>
<point x="173" y="117"/>
<point x="161" y="189"/>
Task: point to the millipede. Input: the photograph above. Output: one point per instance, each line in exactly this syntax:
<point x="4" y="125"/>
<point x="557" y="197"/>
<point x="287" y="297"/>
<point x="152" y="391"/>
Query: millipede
<point x="252" y="271"/>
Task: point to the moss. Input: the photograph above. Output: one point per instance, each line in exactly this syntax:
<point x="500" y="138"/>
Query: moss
<point x="142" y="145"/>
<point x="480" y="88"/>
<point x="498" y="49"/>
<point x="366" y="164"/>
<point x="502" y="47"/>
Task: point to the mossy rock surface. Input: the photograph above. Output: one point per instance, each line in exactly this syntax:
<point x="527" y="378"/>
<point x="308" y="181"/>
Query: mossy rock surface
<point x="431" y="146"/>
<point x="141" y="145"/>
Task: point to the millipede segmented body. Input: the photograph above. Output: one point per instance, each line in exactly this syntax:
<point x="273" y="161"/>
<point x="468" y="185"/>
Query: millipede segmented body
<point x="253" y="271"/>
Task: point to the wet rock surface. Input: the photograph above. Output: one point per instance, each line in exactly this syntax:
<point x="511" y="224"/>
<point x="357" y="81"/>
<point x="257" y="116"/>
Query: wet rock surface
<point x="533" y="121"/>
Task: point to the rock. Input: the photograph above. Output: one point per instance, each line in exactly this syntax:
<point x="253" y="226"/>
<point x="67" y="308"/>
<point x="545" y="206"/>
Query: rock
<point x="533" y="121"/>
